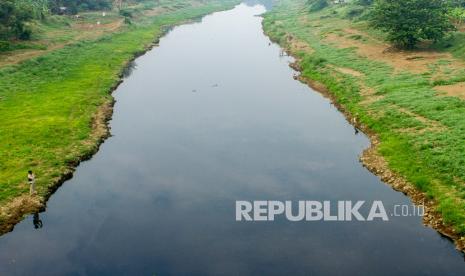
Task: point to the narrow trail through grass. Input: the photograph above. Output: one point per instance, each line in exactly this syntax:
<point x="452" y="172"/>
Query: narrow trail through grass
<point x="393" y="93"/>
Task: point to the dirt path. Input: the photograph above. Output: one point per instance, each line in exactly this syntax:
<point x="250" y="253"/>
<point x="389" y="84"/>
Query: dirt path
<point x="413" y="61"/>
<point x="85" y="32"/>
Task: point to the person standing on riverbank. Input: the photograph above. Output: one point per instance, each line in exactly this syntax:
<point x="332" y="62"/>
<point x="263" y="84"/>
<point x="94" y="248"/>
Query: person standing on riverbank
<point x="31" y="179"/>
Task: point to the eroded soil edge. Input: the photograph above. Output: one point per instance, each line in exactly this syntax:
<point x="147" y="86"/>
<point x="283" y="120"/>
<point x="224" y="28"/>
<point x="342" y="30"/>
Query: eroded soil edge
<point x="375" y="163"/>
<point x="16" y="210"/>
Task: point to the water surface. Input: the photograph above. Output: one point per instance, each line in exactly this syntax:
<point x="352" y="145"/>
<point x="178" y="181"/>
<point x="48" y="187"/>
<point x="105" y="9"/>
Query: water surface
<point x="212" y="116"/>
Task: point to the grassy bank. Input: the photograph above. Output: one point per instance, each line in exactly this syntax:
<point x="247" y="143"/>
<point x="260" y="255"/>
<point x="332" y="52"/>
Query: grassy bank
<point x="51" y="104"/>
<point x="412" y="102"/>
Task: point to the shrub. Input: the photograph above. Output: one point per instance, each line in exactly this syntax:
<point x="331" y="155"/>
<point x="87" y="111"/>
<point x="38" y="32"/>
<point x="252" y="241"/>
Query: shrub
<point x="316" y="5"/>
<point x="354" y="11"/>
<point x="125" y="13"/>
<point x="4" y="46"/>
<point x="409" y="21"/>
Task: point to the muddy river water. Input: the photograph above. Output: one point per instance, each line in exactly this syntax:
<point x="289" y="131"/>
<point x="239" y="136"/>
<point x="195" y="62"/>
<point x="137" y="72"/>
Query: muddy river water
<point x="211" y="116"/>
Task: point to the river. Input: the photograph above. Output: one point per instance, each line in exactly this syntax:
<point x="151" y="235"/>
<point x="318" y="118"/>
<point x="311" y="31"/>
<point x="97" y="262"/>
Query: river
<point x="211" y="116"/>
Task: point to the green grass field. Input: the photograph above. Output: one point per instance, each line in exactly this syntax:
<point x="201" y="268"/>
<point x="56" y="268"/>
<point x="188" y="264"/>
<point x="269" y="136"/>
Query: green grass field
<point x="47" y="103"/>
<point x="422" y="131"/>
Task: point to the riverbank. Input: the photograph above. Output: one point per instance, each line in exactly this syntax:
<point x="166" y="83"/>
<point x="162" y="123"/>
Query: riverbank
<point x="409" y="103"/>
<point x="55" y="104"/>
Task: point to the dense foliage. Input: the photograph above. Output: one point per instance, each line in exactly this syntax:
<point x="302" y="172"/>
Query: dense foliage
<point x="409" y="21"/>
<point x="74" y="6"/>
<point x="16" y="14"/>
<point x="13" y="18"/>
<point x="457" y="15"/>
<point x="364" y="2"/>
<point x="316" y="5"/>
<point x="405" y="22"/>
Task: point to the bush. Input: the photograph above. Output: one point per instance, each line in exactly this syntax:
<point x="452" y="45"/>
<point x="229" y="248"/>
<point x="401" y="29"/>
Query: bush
<point x="314" y="61"/>
<point x="316" y="5"/>
<point x="4" y="46"/>
<point x="364" y="2"/>
<point x="354" y="11"/>
<point x="409" y="21"/>
<point x="25" y="33"/>
<point x="126" y="13"/>
<point x="73" y="6"/>
<point x="13" y="18"/>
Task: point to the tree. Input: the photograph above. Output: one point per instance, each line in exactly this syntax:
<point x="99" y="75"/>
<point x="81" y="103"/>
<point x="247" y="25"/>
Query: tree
<point x="316" y="5"/>
<point x="364" y="2"/>
<point x="74" y="6"/>
<point x="456" y="3"/>
<point x="457" y="16"/>
<point x="13" y="18"/>
<point x="38" y="8"/>
<point x="409" y="21"/>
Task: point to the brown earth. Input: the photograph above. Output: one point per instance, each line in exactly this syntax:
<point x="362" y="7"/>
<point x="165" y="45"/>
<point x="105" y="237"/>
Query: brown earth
<point x="453" y="90"/>
<point x="347" y="71"/>
<point x="375" y="163"/>
<point x="85" y="32"/>
<point x="14" y="211"/>
<point x="154" y="11"/>
<point x="413" y="61"/>
<point x="371" y="158"/>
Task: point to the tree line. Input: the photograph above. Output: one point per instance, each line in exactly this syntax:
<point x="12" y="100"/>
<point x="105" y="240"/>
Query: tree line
<point x="406" y="22"/>
<point x="15" y="15"/>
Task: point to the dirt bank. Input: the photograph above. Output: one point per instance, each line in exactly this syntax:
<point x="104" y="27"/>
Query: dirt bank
<point x="375" y="163"/>
<point x="15" y="211"/>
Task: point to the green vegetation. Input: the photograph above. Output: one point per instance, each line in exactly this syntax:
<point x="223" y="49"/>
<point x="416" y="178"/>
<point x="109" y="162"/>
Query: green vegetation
<point x="13" y="18"/>
<point x="18" y="18"/>
<point x="457" y="16"/>
<point x="316" y="5"/>
<point x="406" y="22"/>
<point x="421" y="127"/>
<point x="48" y="103"/>
<point x="74" y="6"/>
<point x="410" y="21"/>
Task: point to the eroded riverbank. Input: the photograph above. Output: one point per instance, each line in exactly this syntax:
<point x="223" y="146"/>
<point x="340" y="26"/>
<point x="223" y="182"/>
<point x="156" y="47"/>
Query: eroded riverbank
<point x="202" y="121"/>
<point x="375" y="163"/>
<point x="86" y="97"/>
<point x="375" y="89"/>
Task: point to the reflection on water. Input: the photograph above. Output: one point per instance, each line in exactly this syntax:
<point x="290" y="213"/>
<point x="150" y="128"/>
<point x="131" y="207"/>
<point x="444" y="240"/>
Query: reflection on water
<point x="37" y="221"/>
<point x="212" y="116"/>
<point x="127" y="71"/>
